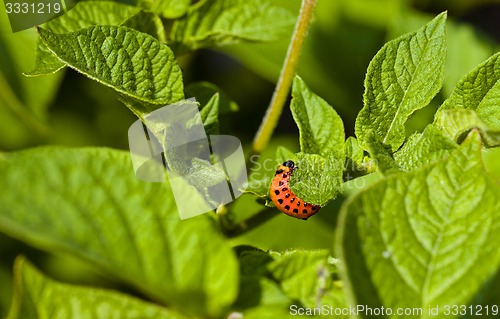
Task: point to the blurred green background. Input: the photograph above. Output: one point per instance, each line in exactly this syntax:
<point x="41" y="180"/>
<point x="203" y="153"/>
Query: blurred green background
<point x="68" y="109"/>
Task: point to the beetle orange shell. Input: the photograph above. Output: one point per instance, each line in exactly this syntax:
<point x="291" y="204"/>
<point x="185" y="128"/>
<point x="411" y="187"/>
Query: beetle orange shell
<point x="284" y="199"/>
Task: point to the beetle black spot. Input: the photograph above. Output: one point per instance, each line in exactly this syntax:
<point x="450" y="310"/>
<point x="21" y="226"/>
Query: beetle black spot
<point x="287" y="207"/>
<point x="284" y="189"/>
<point x="315" y="207"/>
<point x="287" y="195"/>
<point x="298" y="203"/>
<point x="279" y="171"/>
<point x="305" y="204"/>
<point x="285" y="175"/>
<point x="292" y="200"/>
<point x="304" y="211"/>
<point x="280" y="201"/>
<point x="281" y="183"/>
<point x="295" y="210"/>
<point x="277" y="192"/>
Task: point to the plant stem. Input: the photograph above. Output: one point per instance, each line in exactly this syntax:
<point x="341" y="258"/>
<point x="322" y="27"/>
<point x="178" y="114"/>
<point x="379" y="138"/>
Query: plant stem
<point x="252" y="222"/>
<point x="273" y="114"/>
<point x="280" y="94"/>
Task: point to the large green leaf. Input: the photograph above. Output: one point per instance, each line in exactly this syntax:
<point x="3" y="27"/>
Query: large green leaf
<point x="424" y="148"/>
<point x="320" y="127"/>
<point x="219" y="22"/>
<point x="88" y="202"/>
<point x="40" y="297"/>
<point x="136" y="65"/>
<point x="458" y="61"/>
<point x="424" y="238"/>
<point x="479" y="90"/>
<point x="84" y="14"/>
<point x="403" y="77"/>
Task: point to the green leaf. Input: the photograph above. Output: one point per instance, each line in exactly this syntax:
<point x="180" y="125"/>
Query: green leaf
<point x="23" y="102"/>
<point x="45" y="62"/>
<point x="210" y="115"/>
<point x="317" y="179"/>
<point x="403" y="77"/>
<point x="89" y="13"/>
<point x="170" y="9"/>
<point x="424" y="148"/>
<point x="149" y="23"/>
<point x="479" y="90"/>
<point x="136" y="65"/>
<point x="457" y="123"/>
<point x="321" y="129"/>
<point x="355" y="165"/>
<point x="423" y="238"/>
<point x="40" y="297"/>
<point x="84" y="14"/>
<point x="381" y="156"/>
<point x="458" y="61"/>
<point x="353" y="151"/>
<point x="308" y="277"/>
<point x="88" y="203"/>
<point x="280" y="280"/>
<point x="192" y="163"/>
<point x="221" y="22"/>
<point x="268" y="312"/>
<point x="257" y="288"/>
<point x="204" y="91"/>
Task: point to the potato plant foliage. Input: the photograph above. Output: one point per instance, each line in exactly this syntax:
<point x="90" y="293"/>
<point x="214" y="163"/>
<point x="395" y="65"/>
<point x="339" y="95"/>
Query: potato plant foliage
<point x="421" y="232"/>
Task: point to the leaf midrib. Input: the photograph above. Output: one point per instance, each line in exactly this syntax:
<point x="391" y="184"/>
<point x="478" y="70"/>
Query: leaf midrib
<point x="435" y="252"/>
<point x="418" y="67"/>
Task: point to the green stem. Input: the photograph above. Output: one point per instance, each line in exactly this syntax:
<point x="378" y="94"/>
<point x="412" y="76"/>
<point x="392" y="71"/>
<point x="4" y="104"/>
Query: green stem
<point x="256" y="220"/>
<point x="273" y="114"/>
<point x="286" y="78"/>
